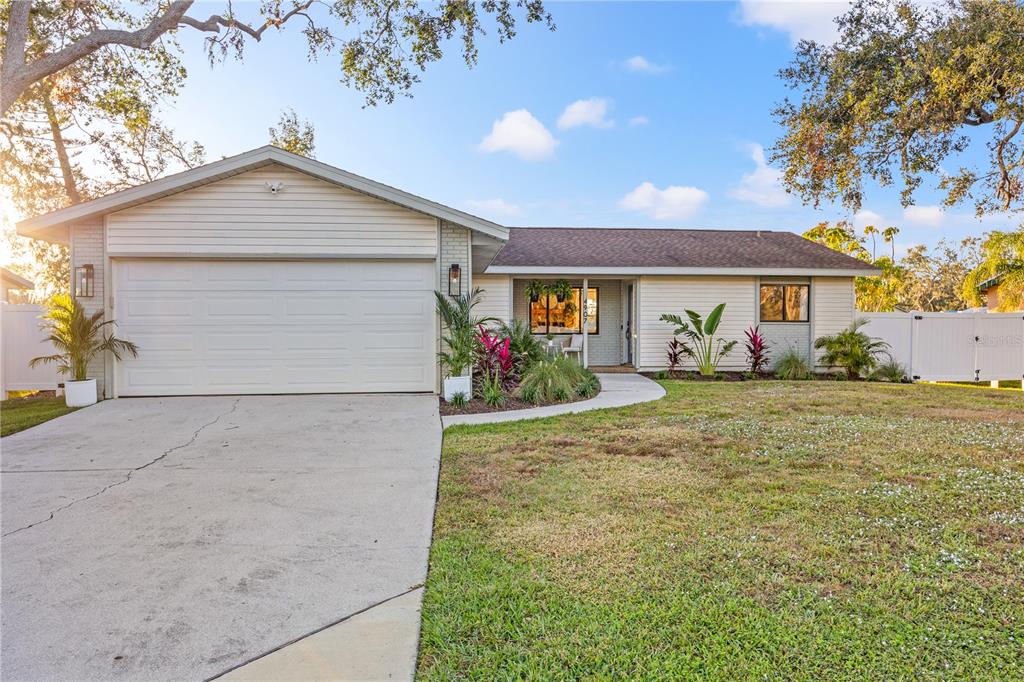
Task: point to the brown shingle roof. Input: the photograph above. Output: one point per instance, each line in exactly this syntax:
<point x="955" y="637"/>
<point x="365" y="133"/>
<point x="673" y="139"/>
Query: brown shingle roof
<point x="667" y="248"/>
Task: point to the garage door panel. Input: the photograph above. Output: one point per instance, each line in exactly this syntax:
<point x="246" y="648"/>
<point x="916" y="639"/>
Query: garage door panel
<point x="214" y="334"/>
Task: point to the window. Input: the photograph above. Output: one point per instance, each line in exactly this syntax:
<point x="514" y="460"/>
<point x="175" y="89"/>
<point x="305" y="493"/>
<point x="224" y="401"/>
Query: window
<point x="548" y="316"/>
<point x="784" y="302"/>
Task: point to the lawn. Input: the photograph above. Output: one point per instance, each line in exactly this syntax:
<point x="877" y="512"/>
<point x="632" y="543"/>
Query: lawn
<point x="18" y="414"/>
<point x="768" y="530"/>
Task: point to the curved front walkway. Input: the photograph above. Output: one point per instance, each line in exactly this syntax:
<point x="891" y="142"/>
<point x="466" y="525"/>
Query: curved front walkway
<point x="617" y="390"/>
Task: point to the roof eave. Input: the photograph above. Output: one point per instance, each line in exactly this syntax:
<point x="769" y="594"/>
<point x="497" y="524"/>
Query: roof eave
<point x="41" y="227"/>
<point x="630" y="270"/>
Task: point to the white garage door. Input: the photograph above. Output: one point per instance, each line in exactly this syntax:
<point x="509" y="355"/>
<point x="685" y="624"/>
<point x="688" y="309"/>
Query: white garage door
<point x="221" y="327"/>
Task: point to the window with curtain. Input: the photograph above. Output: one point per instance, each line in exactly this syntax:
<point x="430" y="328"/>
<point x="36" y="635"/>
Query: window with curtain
<point x="784" y="302"/>
<point x="549" y="316"/>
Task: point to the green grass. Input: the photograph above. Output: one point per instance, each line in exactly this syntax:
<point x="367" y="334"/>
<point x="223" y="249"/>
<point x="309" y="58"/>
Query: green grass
<point x="732" y="531"/>
<point x="19" y="414"/>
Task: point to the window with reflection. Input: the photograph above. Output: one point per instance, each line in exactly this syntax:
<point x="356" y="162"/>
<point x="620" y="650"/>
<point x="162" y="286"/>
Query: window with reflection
<point x="784" y="302"/>
<point x="551" y="316"/>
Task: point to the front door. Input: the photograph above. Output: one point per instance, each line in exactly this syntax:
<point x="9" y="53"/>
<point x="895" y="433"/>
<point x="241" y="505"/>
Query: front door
<point x="629" y="324"/>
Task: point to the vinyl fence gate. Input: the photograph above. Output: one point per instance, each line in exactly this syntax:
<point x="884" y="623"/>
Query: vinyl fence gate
<point x="953" y="346"/>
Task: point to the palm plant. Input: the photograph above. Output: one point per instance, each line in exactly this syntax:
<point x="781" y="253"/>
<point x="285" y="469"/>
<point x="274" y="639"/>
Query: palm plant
<point x="1002" y="262"/>
<point x="525" y="346"/>
<point x="78" y="337"/>
<point x="852" y="349"/>
<point x="460" y="340"/>
<point x="704" y="348"/>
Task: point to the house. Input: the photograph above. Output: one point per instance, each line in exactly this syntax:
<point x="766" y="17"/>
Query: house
<point x="14" y="286"/>
<point x="268" y="272"/>
<point x="989" y="291"/>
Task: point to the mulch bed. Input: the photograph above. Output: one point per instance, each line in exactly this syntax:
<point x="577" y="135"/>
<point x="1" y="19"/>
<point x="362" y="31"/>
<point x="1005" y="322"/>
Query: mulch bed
<point x="477" y="405"/>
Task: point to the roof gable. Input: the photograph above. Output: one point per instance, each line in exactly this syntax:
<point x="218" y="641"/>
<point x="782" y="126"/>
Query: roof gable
<point x="50" y="225"/>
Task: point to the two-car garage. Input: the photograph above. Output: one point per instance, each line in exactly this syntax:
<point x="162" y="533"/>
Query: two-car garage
<point x="208" y="327"/>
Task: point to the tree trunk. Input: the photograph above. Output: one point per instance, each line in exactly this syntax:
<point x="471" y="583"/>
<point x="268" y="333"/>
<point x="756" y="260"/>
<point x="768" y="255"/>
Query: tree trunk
<point x="70" y="186"/>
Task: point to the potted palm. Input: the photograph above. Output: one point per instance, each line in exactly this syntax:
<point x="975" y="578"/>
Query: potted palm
<point x="460" y="341"/>
<point x="79" y="338"/>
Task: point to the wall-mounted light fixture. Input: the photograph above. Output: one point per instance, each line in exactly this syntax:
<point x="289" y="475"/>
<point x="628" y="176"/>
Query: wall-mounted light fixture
<point x="85" y="278"/>
<point x="454" y="280"/>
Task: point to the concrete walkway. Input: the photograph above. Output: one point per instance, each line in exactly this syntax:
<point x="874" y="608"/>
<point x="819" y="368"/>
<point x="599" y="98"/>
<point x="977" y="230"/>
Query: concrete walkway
<point x="617" y="390"/>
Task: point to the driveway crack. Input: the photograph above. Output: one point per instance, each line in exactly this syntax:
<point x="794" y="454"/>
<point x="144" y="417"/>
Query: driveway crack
<point x="128" y="476"/>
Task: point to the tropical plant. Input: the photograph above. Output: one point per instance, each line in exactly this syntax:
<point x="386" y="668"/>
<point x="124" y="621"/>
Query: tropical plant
<point x="492" y="391"/>
<point x="706" y="350"/>
<point x="78" y="337"/>
<point x="674" y="353"/>
<point x="534" y="289"/>
<point x="458" y="400"/>
<point x="1002" y="262"/>
<point x="460" y="339"/>
<point x="550" y="381"/>
<point x="757" y="350"/>
<point x="494" y="359"/>
<point x="525" y="346"/>
<point x="791" y="366"/>
<point x="891" y="371"/>
<point x="852" y="350"/>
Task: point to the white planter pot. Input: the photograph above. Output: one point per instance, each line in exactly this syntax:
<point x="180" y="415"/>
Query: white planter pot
<point x="453" y="385"/>
<point x="80" y="393"/>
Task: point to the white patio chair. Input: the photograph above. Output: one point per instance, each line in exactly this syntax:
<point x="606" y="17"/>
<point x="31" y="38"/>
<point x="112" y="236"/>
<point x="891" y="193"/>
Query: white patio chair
<point x="574" y="345"/>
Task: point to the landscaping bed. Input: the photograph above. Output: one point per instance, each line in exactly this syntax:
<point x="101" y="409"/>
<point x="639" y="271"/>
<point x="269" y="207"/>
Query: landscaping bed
<point x="478" y="405"/>
<point x="735" y="530"/>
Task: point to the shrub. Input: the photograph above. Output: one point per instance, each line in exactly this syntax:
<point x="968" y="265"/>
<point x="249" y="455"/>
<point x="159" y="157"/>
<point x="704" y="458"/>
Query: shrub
<point x="589" y="385"/>
<point x="791" y="365"/>
<point x="890" y="371"/>
<point x="494" y="360"/>
<point x="662" y="375"/>
<point x="492" y="391"/>
<point x="706" y="351"/>
<point x="757" y="350"/>
<point x="458" y="400"/>
<point x="550" y="381"/>
<point x="526" y="348"/>
<point x="852" y="349"/>
<point x="675" y="352"/>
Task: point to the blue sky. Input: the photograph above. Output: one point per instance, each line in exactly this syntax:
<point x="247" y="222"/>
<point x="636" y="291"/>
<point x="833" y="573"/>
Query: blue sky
<point x="628" y="115"/>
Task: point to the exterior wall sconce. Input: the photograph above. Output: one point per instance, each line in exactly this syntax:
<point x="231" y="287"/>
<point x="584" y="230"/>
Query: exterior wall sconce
<point x="454" y="280"/>
<point x="85" y="278"/>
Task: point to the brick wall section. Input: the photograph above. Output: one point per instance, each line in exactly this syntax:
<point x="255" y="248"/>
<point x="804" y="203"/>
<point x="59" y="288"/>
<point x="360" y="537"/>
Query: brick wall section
<point x="87" y="247"/>
<point x="454" y="248"/>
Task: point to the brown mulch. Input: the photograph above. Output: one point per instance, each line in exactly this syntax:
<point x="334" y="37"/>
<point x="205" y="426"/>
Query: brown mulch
<point x="477" y="405"/>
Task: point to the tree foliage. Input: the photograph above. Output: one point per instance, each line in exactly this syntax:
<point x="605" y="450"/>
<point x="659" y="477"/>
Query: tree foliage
<point x="78" y="337"/>
<point x="907" y="88"/>
<point x="1002" y="259"/>
<point x="925" y="280"/>
<point x="382" y="45"/>
<point x="293" y="135"/>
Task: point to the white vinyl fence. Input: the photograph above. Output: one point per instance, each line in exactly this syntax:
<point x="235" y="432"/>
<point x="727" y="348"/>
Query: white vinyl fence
<point x="953" y="346"/>
<point x="20" y="341"/>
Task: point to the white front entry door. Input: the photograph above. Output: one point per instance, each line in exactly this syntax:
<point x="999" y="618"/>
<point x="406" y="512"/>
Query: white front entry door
<point x="240" y="327"/>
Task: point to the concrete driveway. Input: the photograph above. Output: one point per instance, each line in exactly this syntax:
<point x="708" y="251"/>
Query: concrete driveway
<point x="178" y="538"/>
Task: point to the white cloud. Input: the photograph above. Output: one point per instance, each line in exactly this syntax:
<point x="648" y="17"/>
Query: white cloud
<point x="924" y="215"/>
<point x="864" y="217"/>
<point x="672" y="203"/>
<point x="801" y="19"/>
<point x="763" y="187"/>
<point x="493" y="207"/>
<point x="640" y="64"/>
<point x="519" y="133"/>
<point x="639" y="121"/>
<point x="586" y="112"/>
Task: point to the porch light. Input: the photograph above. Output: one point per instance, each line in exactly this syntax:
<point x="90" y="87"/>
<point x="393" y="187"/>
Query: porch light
<point x="84" y="281"/>
<point x="454" y="280"/>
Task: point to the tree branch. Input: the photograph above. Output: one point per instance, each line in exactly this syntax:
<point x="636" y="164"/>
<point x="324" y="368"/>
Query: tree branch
<point x="18" y="75"/>
<point x="214" y="23"/>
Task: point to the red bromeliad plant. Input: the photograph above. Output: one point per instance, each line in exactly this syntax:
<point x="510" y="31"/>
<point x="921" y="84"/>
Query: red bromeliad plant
<point x="757" y="350"/>
<point x="495" y="359"/>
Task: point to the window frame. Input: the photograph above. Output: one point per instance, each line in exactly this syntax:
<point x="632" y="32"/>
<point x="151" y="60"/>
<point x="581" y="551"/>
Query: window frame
<point x="583" y="302"/>
<point x="784" y="286"/>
